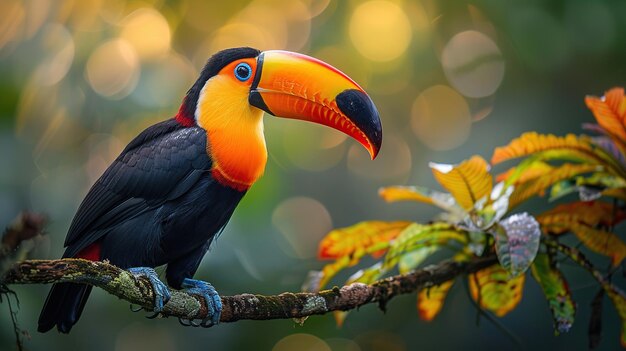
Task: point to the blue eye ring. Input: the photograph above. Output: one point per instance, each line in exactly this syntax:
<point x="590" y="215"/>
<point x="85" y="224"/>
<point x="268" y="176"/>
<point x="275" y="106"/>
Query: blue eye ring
<point x="243" y="71"/>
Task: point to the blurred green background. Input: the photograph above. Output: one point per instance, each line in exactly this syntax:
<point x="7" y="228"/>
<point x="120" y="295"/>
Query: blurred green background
<point x="451" y="79"/>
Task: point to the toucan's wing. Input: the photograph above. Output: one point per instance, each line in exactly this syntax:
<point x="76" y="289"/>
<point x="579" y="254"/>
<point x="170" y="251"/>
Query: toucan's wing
<point x="162" y="163"/>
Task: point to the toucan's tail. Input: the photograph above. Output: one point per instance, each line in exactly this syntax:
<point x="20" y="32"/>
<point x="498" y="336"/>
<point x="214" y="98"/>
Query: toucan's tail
<point x="63" y="306"/>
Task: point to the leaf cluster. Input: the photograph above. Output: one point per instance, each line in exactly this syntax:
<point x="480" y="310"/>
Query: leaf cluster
<point x="583" y="175"/>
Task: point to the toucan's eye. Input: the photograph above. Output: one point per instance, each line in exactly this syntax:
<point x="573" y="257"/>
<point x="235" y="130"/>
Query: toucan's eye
<point x="243" y="71"/>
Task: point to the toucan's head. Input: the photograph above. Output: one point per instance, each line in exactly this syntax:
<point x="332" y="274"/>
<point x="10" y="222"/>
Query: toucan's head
<point x="237" y="84"/>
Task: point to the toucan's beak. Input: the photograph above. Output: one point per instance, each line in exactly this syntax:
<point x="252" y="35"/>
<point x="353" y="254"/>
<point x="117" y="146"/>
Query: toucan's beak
<point x="291" y="85"/>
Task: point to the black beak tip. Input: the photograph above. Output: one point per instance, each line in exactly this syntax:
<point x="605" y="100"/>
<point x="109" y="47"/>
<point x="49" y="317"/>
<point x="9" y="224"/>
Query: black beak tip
<point x="360" y="109"/>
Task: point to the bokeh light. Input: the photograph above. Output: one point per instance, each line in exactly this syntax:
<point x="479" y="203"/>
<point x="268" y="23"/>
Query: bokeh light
<point x="316" y="7"/>
<point x="301" y="341"/>
<point x="11" y="21"/>
<point x="59" y="46"/>
<point x="380" y="30"/>
<point x="473" y="64"/>
<point x="113" y="69"/>
<point x="103" y="149"/>
<point x="342" y="344"/>
<point x="441" y="118"/>
<point x="312" y="147"/>
<point x="303" y="222"/>
<point x="141" y="337"/>
<point x="393" y="163"/>
<point x="147" y="31"/>
<point x="164" y="82"/>
<point x="381" y="340"/>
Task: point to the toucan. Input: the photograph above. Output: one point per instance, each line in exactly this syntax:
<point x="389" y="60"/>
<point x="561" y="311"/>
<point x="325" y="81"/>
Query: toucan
<point x="174" y="187"/>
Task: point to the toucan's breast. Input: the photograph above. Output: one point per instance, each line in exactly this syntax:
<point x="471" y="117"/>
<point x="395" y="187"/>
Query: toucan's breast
<point x="235" y="140"/>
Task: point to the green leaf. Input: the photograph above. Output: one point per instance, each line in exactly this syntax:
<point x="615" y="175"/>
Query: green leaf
<point x="413" y="259"/>
<point x="418" y="236"/>
<point x="557" y="292"/>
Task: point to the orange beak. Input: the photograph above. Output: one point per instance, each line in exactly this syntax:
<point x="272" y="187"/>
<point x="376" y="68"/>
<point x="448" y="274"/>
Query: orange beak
<point x="291" y="85"/>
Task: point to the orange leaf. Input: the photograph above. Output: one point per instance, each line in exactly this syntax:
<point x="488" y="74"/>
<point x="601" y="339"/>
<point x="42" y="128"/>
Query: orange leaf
<point x="371" y="236"/>
<point x="610" y="111"/>
<point x="591" y="213"/>
<point x="468" y="181"/>
<point x="537" y="186"/>
<point x="532" y="142"/>
<point x="600" y="241"/>
<point x="430" y="300"/>
<point x="581" y="219"/>
<point x="495" y="290"/>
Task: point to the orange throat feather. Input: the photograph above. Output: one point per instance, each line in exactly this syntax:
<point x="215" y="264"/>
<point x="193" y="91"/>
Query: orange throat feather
<point x="235" y="140"/>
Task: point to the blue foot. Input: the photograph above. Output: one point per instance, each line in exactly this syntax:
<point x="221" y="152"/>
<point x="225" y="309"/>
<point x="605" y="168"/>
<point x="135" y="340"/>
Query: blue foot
<point x="161" y="291"/>
<point x="211" y="297"/>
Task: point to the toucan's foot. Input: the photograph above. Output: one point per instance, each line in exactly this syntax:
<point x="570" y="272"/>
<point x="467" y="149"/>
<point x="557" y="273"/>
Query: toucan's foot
<point x="211" y="297"/>
<point x="161" y="291"/>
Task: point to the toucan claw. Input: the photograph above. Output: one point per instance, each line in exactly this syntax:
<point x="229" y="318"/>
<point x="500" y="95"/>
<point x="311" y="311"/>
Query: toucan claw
<point x="211" y="298"/>
<point x="161" y="291"/>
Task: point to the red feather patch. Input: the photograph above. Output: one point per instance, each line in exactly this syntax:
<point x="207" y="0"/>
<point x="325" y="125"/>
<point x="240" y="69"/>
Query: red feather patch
<point x="91" y="252"/>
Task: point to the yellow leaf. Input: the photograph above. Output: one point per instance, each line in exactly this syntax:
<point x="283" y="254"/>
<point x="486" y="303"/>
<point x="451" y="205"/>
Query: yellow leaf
<point x="537" y="185"/>
<point x="403" y="193"/>
<point x="616" y="193"/>
<point x="610" y="111"/>
<point x="360" y="237"/>
<point x="442" y="200"/>
<point x="468" y="181"/>
<point x="430" y="300"/>
<point x="532" y="142"/>
<point x="495" y="290"/>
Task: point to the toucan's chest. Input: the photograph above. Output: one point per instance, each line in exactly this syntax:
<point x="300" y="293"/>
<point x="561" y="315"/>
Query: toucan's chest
<point x="235" y="140"/>
<point x="239" y="157"/>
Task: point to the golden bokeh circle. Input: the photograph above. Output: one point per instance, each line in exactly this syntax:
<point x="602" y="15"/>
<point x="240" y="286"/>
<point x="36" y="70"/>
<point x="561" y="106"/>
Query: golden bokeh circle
<point x="441" y="118"/>
<point x="380" y="30"/>
<point x="113" y="69"/>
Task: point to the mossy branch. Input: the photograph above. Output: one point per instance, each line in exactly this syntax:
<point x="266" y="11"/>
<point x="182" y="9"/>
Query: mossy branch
<point x="138" y="291"/>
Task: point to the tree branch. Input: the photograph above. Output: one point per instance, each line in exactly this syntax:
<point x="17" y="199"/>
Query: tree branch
<point x="137" y="290"/>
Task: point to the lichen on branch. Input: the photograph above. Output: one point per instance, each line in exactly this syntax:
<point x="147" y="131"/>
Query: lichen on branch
<point x="138" y="290"/>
